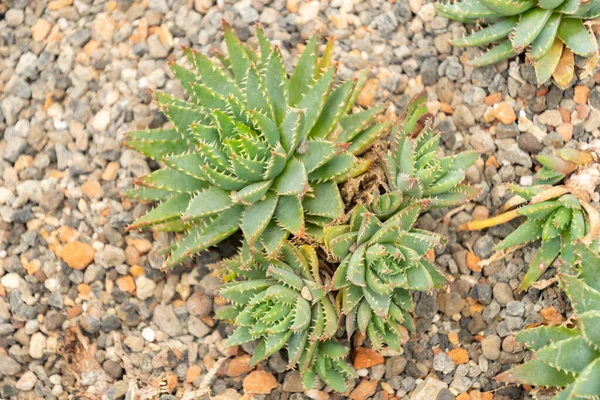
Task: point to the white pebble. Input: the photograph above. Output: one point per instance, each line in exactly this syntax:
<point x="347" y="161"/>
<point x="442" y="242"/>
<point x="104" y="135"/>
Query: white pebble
<point x="148" y="334"/>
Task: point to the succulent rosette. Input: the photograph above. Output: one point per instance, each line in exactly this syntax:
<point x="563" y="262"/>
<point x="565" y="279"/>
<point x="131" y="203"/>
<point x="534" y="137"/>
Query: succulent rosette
<point x="551" y="32"/>
<point x="381" y="261"/>
<point x="284" y="303"/>
<point x="254" y="149"/>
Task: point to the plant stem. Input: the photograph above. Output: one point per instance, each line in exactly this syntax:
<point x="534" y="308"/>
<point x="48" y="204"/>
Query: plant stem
<point x="489" y="222"/>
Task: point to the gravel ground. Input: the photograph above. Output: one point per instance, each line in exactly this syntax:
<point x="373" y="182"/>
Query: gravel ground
<point x="84" y="308"/>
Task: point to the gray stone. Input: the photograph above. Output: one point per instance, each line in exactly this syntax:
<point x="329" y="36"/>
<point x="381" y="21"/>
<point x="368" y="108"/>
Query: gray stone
<point x="11" y="107"/>
<point x="27" y="65"/>
<point x="529" y="143"/>
<point x="484" y="246"/>
<point x="8" y="366"/>
<point x="482" y="292"/>
<point x="14" y="148"/>
<point x="483" y="142"/>
<point x="164" y="317"/>
<point x="155" y="48"/>
<point x="429" y="389"/>
<point x="490" y="347"/>
<point x="292" y="383"/>
<point x="503" y="293"/>
<point x="515" y="308"/>
<point x="474" y="95"/>
<point x="196" y="327"/>
<point x="551" y="117"/>
<point x="514" y="155"/>
<point x="463" y="118"/>
<point x="395" y="366"/>
<point x="443" y="363"/>
<point x="14" y="17"/>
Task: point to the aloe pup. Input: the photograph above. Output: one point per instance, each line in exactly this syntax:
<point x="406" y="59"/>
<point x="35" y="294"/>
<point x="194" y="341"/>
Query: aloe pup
<point x="557" y="216"/>
<point x="284" y="303"/>
<point x="550" y="32"/>
<point x="253" y="149"/>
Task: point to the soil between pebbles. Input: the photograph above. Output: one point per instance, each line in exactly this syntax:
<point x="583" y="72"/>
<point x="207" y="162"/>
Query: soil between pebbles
<point x="74" y="77"/>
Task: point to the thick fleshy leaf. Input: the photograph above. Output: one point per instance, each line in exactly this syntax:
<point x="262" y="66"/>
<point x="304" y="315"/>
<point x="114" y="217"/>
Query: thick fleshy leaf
<point x="489" y="34"/>
<point x="205" y="235"/>
<point x="587" y="384"/>
<point x="236" y="53"/>
<point x="171" y="180"/>
<point x="502" y="51"/>
<point x="535" y="372"/>
<point x="577" y="37"/>
<point x="544" y="41"/>
<point x="332" y="110"/>
<point x="290" y="215"/>
<point x="583" y="297"/>
<point x="541" y="336"/>
<point x="542" y="259"/>
<point x="209" y="201"/>
<point x="509" y="7"/>
<point x="168" y="209"/>
<point x="210" y="76"/>
<point x="528" y="231"/>
<point x="465" y="11"/>
<point x="565" y="69"/>
<point x="570" y="355"/>
<point x="530" y="25"/>
<point x="546" y="64"/>
<point x="301" y="78"/>
<point x="589" y="323"/>
<point x="276" y="84"/>
<point x="293" y="181"/>
<point x="324" y="201"/>
<point x="257" y="216"/>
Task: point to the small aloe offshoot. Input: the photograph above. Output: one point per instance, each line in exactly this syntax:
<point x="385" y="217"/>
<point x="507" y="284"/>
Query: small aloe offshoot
<point x="558" y="216"/>
<point x="567" y="358"/>
<point x="284" y="303"/>
<point x="254" y="149"/>
<point x="414" y="168"/>
<point x="551" y="32"/>
<point x="381" y="261"/>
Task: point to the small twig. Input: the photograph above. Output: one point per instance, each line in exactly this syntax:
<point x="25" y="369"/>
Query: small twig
<point x="204" y="388"/>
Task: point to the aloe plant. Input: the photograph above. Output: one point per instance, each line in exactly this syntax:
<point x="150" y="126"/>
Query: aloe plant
<point x="415" y="170"/>
<point x="253" y="149"/>
<point x="551" y="32"/>
<point x="284" y="303"/>
<point x="567" y="358"/>
<point x="380" y="262"/>
<point x="557" y="215"/>
<point x="256" y="150"/>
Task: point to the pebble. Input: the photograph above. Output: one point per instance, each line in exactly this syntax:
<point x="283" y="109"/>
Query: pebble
<point x="101" y="121"/>
<point x="78" y="255"/>
<point x="503" y="293"/>
<point x="40" y="30"/>
<point x="429" y="389"/>
<point x="14" y="17"/>
<point x="366" y="358"/>
<point x="551" y="117"/>
<point x="490" y="346"/>
<point x="443" y="363"/>
<point x="505" y="113"/>
<point x="26" y="382"/>
<point x="164" y="317"/>
<point x="259" y="382"/>
<point x="364" y="390"/>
